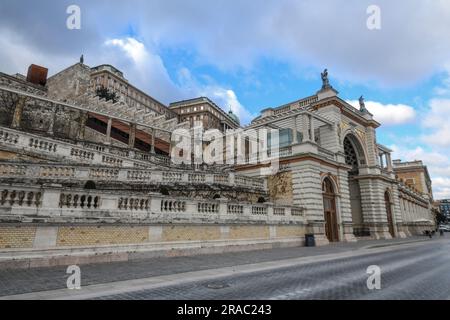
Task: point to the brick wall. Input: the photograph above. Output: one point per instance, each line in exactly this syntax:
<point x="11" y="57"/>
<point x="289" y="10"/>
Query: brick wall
<point x="17" y="237"/>
<point x="86" y="236"/>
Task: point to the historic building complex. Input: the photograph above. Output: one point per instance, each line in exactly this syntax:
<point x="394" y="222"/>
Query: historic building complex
<point x="86" y="177"/>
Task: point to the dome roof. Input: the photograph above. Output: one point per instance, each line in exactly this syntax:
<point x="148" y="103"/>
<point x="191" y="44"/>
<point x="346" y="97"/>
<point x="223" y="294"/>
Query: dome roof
<point x="234" y="117"/>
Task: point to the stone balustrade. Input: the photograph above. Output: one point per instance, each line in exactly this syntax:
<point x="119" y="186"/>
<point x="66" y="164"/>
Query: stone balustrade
<point x="86" y="152"/>
<point x="20" y="197"/>
<point x="8" y="137"/>
<point x="55" y="204"/>
<point x="63" y="150"/>
<point x="82" y="173"/>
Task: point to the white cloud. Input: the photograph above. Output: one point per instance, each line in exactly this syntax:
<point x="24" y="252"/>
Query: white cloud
<point x="431" y="158"/>
<point x="410" y="46"/>
<point x="442" y="188"/>
<point x="436" y="120"/>
<point x="148" y="70"/>
<point x="144" y="68"/>
<point x="133" y="48"/>
<point x="388" y="114"/>
<point x="227" y="99"/>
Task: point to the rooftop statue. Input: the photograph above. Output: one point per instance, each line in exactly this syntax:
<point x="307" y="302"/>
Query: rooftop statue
<point x="362" y="105"/>
<point x="325" y="81"/>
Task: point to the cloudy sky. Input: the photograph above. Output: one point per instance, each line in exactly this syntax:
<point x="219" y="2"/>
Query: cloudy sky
<point x="248" y="55"/>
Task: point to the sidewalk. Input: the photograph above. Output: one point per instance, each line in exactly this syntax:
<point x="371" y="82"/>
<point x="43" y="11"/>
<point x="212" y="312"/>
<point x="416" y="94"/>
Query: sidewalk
<point x="52" y="278"/>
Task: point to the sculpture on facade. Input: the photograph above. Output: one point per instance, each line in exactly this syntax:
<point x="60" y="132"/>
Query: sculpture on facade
<point x="325" y="81"/>
<point x="362" y="105"/>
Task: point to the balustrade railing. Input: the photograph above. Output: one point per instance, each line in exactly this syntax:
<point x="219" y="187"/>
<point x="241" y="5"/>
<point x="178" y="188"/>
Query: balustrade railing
<point x="17" y="197"/>
<point x="235" y="209"/>
<point x="76" y="200"/>
<point x="8" y="137"/>
<point x="42" y="145"/>
<point x="62" y="172"/>
<point x="56" y="203"/>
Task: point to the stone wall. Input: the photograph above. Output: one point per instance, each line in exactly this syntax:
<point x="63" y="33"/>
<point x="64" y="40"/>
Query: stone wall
<point x="40" y="237"/>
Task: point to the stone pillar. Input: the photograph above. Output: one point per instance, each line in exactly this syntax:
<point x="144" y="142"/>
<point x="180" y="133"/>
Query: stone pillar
<point x="381" y="161"/>
<point x="108" y="132"/>
<point x="294" y="131"/>
<point x="311" y="128"/>
<point x="389" y="162"/>
<point x="18" y="111"/>
<point x="304" y="129"/>
<point x="153" y="141"/>
<point x="132" y="135"/>
<point x="82" y="129"/>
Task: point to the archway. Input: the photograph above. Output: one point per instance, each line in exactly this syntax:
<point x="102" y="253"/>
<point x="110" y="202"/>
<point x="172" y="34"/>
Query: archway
<point x="90" y="185"/>
<point x="354" y="157"/>
<point x="329" y="207"/>
<point x="261" y="200"/>
<point x="390" y="220"/>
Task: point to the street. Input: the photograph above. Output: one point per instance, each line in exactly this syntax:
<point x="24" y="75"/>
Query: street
<point x="410" y="270"/>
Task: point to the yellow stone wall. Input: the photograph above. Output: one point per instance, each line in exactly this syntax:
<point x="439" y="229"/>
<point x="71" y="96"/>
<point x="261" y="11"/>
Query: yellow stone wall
<point x="86" y="236"/>
<point x="72" y="236"/>
<point x="249" y="232"/>
<point x="190" y="233"/>
<point x="17" y="237"/>
<point x="290" y="231"/>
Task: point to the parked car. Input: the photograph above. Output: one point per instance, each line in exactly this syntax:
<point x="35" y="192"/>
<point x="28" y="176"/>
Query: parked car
<point x="444" y="228"/>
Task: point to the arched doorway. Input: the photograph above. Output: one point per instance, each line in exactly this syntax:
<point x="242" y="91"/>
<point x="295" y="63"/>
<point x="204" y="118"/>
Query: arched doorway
<point x="390" y="220"/>
<point x="90" y="185"/>
<point x="329" y="207"/>
<point x="354" y="157"/>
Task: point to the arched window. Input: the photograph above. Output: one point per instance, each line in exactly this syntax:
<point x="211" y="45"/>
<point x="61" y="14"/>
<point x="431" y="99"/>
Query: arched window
<point x="164" y="191"/>
<point x="327" y="186"/>
<point x="90" y="185"/>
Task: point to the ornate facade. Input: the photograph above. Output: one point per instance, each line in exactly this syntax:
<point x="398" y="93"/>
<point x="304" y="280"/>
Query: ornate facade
<point x="81" y="173"/>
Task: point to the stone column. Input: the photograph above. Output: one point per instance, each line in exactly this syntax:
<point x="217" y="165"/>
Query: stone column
<point x="18" y="111"/>
<point x="304" y="129"/>
<point x="311" y="128"/>
<point x="389" y="162"/>
<point x="153" y="141"/>
<point x="381" y="161"/>
<point x="82" y="129"/>
<point x="294" y="131"/>
<point x="132" y="135"/>
<point x="108" y="132"/>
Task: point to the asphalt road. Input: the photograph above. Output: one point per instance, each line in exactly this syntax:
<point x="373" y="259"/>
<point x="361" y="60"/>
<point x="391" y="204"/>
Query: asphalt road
<point x="413" y="272"/>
